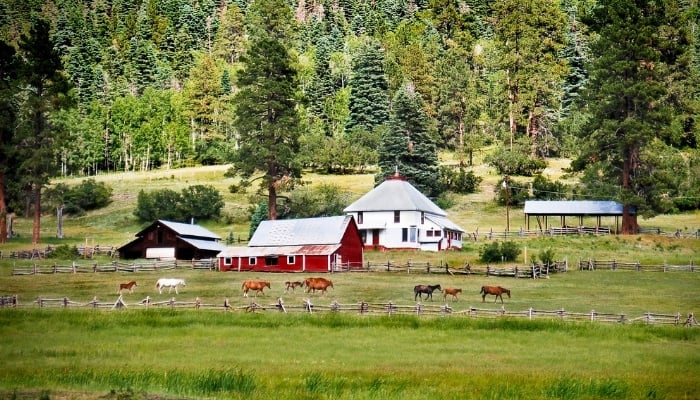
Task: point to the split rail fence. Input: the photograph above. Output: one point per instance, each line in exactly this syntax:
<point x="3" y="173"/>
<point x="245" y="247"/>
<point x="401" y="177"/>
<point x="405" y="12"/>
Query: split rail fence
<point x="364" y="308"/>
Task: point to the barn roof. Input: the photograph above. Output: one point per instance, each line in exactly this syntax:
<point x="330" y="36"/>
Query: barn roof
<point x="395" y="193"/>
<point x="204" y="244"/>
<point x="264" y="251"/>
<point x="190" y="230"/>
<point x="299" y="232"/>
<point x="573" y="207"/>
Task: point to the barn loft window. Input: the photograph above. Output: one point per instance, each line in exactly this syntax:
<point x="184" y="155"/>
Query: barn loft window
<point x="271" y="261"/>
<point x="252" y="260"/>
<point x="291" y="260"/>
<point x="360" y="217"/>
<point x="397" y="217"/>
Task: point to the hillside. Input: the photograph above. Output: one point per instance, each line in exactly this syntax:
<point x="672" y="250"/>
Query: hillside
<point x="116" y="224"/>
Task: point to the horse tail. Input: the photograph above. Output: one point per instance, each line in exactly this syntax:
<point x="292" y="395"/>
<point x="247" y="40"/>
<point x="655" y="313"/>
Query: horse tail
<point x="482" y="291"/>
<point x="243" y="285"/>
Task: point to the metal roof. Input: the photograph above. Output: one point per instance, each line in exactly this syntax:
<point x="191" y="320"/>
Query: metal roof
<point x="573" y="207"/>
<point x="189" y="229"/>
<point x="395" y="194"/>
<point x="301" y="231"/>
<point x="204" y="244"/>
<point x="265" y="251"/>
<point x="445" y="223"/>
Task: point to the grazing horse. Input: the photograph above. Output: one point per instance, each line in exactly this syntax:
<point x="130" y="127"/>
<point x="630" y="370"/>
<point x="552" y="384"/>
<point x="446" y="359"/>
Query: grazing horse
<point x="418" y="291"/>
<point x="452" y="292"/>
<point x="293" y="285"/>
<point x="170" y="283"/>
<point x="317" y="284"/>
<point x="128" y="286"/>
<point x="258" y="286"/>
<point x="494" y="290"/>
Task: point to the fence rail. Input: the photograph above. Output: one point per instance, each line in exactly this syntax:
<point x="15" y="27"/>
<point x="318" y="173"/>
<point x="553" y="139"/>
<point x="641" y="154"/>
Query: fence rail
<point x="364" y="308"/>
<point x="591" y="265"/>
<point x="116" y="266"/>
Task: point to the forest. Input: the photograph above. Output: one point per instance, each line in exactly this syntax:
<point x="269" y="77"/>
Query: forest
<point x="277" y="87"/>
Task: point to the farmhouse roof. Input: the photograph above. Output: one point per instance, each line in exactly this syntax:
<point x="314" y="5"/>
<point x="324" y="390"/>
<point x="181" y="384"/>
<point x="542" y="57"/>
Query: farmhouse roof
<point x="573" y="207"/>
<point x="445" y="223"/>
<point x="300" y="232"/>
<point x="187" y="230"/>
<point x="395" y="193"/>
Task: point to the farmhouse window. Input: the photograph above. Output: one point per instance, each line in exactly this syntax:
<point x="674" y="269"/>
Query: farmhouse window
<point x="422" y="217"/>
<point x="271" y="261"/>
<point x="360" y="217"/>
<point x="437" y="233"/>
<point x="429" y="233"/>
<point x="363" y="235"/>
<point x="227" y="260"/>
<point x="252" y="260"/>
<point x="404" y="234"/>
<point x="291" y="260"/>
<point x="397" y="217"/>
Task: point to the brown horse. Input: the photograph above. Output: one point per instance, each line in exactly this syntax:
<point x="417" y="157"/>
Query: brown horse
<point x="128" y="286"/>
<point x="257" y="286"/>
<point x="317" y="284"/>
<point x="494" y="290"/>
<point x="418" y="291"/>
<point x="293" y="285"/>
<point x="452" y="292"/>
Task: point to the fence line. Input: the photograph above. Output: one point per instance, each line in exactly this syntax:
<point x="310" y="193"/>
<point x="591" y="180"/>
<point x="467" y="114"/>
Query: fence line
<point x="591" y="265"/>
<point x="116" y="266"/>
<point x="365" y="308"/>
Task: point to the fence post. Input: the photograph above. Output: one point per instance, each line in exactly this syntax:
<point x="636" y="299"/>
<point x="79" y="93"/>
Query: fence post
<point x="364" y="307"/>
<point x="65" y="302"/>
<point x="529" y="313"/>
<point x="419" y="309"/>
<point x="593" y="315"/>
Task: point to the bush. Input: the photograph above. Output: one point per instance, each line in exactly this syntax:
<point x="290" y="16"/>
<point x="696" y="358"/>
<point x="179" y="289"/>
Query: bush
<point x="509" y="162"/>
<point x="459" y="181"/>
<point x="76" y="200"/>
<point x="199" y="202"/>
<point x="496" y="252"/>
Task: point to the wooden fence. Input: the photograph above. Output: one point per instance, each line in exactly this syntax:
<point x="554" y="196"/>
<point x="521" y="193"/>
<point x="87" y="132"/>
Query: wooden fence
<point x="591" y="265"/>
<point x="364" y="308"/>
<point x="116" y="266"/>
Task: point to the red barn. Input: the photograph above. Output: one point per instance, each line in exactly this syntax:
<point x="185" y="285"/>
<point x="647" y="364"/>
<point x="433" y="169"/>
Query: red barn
<point x="298" y="245"/>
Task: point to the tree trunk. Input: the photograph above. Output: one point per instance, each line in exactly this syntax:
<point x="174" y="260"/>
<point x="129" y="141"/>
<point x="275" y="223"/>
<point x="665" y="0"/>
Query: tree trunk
<point x="36" y="231"/>
<point x="629" y="221"/>
<point x="3" y="209"/>
<point x="272" y="200"/>
<point x="59" y="218"/>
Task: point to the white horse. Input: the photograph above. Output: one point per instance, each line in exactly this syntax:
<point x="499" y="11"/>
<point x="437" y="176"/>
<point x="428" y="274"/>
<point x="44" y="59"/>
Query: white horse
<point x="170" y="283"/>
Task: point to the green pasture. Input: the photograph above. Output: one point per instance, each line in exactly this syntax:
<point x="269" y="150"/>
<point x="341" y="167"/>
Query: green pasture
<point x="159" y="353"/>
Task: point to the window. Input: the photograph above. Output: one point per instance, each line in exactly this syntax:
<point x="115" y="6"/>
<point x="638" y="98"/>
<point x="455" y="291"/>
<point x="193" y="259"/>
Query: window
<point x="227" y="260"/>
<point x="360" y="216"/>
<point x="437" y="233"/>
<point x="397" y="217"/>
<point x="252" y="260"/>
<point x="291" y="260"/>
<point x="422" y="218"/>
<point x="429" y="233"/>
<point x="271" y="261"/>
<point x="404" y="234"/>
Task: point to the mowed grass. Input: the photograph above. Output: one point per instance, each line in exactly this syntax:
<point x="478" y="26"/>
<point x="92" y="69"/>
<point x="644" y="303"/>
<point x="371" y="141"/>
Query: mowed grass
<point x="187" y="353"/>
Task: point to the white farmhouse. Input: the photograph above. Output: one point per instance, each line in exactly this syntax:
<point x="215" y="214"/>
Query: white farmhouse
<point x="396" y="215"/>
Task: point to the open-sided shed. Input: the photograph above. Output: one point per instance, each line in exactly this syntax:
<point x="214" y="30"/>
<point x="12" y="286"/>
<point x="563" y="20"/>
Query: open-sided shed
<point x="543" y="209"/>
<point x="323" y="244"/>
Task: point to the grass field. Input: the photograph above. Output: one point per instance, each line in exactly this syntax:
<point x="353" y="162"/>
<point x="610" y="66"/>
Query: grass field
<point x="158" y="353"/>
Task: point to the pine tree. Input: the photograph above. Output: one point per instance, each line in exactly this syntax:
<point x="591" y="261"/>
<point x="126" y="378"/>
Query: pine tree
<point x="408" y="146"/>
<point x="46" y="91"/>
<point x="631" y="61"/>
<point x="369" y="99"/>
<point x="9" y="86"/>
<point x="266" y="104"/>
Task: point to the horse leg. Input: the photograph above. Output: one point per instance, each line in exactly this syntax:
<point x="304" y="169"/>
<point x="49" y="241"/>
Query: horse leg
<point x="176" y="289"/>
<point x="483" y="298"/>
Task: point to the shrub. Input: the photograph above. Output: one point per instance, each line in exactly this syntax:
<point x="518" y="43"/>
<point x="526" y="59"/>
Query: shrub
<point x="459" y="181"/>
<point x="495" y="252"/>
<point x="509" y="162"/>
<point x="76" y="200"/>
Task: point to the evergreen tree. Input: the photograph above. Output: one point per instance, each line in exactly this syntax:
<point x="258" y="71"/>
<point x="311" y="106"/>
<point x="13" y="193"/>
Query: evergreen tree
<point x="369" y="99"/>
<point x="46" y="91"/>
<point x="408" y="146"/>
<point x="9" y="87"/>
<point x="632" y="57"/>
<point x="266" y="104"/>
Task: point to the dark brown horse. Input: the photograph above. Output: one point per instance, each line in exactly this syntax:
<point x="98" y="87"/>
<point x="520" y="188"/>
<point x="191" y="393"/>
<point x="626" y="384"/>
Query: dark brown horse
<point x="258" y="286"/>
<point x="494" y="290"/>
<point x="418" y="291"/>
<point x="314" y="284"/>
<point x="128" y="286"/>
<point x="452" y="292"/>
